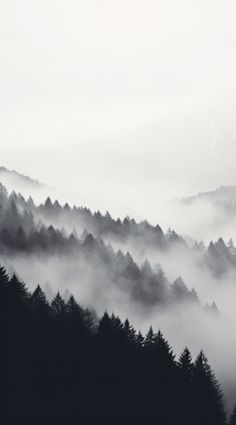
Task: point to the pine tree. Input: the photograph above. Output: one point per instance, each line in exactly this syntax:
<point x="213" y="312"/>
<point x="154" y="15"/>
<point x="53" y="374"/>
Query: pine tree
<point x="185" y="364"/>
<point x="18" y="290"/>
<point x="58" y="306"/>
<point x="48" y="204"/>
<point x="73" y="307"/>
<point x="149" y="339"/>
<point x="39" y="304"/>
<point x="76" y="317"/>
<point x="185" y="396"/>
<point x="208" y="403"/>
<point x="163" y="350"/>
<point x="130" y="333"/>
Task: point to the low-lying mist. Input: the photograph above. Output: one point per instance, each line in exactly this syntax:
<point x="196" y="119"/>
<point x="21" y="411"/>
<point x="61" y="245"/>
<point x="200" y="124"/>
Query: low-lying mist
<point x="183" y="323"/>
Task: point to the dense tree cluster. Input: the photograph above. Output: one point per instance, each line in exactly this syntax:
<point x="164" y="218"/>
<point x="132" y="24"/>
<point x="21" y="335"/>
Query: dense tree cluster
<point x="224" y="195"/>
<point x="219" y="257"/>
<point x="62" y="364"/>
<point x="20" y="233"/>
<point x="101" y="226"/>
<point x="25" y="226"/>
<point x="24" y="180"/>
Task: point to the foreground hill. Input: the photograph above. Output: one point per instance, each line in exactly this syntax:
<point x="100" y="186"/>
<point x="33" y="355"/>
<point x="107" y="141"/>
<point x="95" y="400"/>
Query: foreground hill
<point x="62" y="364"/>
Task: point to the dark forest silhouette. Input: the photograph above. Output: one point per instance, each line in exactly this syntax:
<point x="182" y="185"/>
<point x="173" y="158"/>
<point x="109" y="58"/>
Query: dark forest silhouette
<point x="61" y="363"/>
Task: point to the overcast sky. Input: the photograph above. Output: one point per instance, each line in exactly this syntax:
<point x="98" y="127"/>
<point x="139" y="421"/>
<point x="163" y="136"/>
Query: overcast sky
<point x="124" y="102"/>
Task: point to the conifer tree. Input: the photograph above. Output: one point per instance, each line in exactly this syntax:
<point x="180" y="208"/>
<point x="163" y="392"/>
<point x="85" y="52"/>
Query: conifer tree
<point x="149" y="339"/>
<point x="39" y="304"/>
<point x="185" y="364"/>
<point x="58" y="306"/>
<point x="208" y="402"/>
<point x="18" y="290"/>
<point x="185" y="399"/>
<point x="163" y="350"/>
<point x="130" y="333"/>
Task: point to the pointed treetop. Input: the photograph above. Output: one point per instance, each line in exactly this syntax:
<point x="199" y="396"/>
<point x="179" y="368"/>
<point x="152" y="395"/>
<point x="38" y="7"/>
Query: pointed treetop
<point x="58" y="305"/>
<point x="48" y="202"/>
<point x="38" y="296"/>
<point x="185" y="362"/>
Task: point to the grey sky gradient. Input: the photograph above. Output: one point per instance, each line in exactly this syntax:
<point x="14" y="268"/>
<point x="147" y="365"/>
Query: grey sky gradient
<point x="126" y="103"/>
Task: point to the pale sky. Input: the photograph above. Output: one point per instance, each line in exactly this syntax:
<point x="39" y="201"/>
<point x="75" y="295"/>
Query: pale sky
<point x="124" y="102"/>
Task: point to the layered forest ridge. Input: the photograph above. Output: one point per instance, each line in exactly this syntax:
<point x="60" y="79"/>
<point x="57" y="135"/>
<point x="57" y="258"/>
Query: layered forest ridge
<point x="224" y="197"/>
<point x="30" y="229"/>
<point x="79" y="264"/>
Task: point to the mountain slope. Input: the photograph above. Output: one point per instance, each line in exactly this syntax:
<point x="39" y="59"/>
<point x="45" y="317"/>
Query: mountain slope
<point x="224" y="194"/>
<point x="17" y="178"/>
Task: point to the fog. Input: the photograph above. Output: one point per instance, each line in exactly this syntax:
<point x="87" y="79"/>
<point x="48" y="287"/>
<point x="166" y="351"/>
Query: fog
<point x="131" y="102"/>
<point x="183" y="324"/>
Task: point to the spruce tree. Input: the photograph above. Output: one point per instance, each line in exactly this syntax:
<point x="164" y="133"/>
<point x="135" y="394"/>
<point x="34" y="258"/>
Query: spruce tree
<point x="208" y="400"/>
<point x="18" y="291"/>
<point x="185" y="364"/>
<point x="163" y="350"/>
<point x="39" y="304"/>
<point x="129" y="332"/>
<point x="149" y="340"/>
<point x="58" y="306"/>
<point x="185" y="384"/>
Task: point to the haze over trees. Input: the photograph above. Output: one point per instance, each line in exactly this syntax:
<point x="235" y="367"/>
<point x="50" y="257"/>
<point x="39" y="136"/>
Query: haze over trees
<point x="23" y="231"/>
<point x="66" y="348"/>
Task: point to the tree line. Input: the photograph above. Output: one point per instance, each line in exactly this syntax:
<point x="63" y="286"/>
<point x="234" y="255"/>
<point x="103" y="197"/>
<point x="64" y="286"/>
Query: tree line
<point x="19" y="233"/>
<point x="60" y="362"/>
<point x="24" y="225"/>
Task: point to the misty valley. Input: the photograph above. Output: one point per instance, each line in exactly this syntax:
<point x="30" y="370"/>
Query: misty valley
<point x="92" y="306"/>
<point x="118" y="212"/>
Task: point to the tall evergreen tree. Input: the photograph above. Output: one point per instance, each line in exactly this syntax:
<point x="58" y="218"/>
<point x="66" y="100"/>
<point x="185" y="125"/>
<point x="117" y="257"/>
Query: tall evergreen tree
<point x="18" y="291"/>
<point x="185" y="364"/>
<point x="208" y="402"/>
<point x="185" y="382"/>
<point x="149" y="339"/>
<point x="58" y="306"/>
<point x="39" y="304"/>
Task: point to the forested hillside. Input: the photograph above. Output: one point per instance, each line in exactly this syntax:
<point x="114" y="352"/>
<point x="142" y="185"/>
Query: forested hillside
<point x="26" y="229"/>
<point x="61" y="363"/>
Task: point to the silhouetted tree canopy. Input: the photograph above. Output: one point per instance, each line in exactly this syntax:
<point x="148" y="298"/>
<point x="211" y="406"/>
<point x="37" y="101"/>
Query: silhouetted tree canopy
<point x="63" y="364"/>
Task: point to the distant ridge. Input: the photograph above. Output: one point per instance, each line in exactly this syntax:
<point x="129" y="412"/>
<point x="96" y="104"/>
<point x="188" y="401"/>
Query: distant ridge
<point x="5" y="172"/>
<point x="221" y="195"/>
